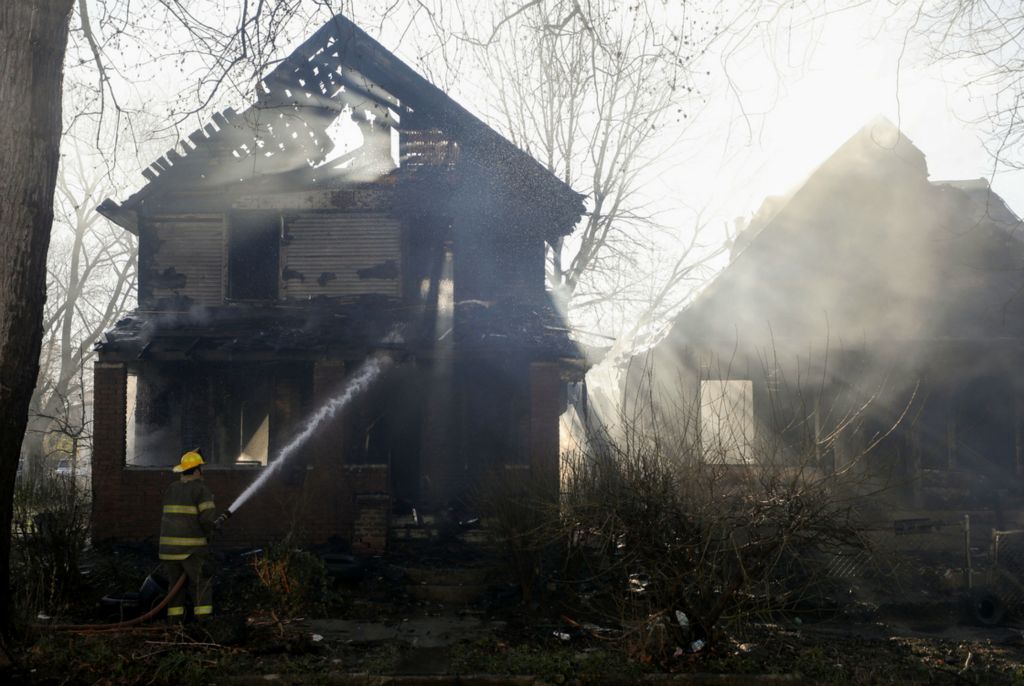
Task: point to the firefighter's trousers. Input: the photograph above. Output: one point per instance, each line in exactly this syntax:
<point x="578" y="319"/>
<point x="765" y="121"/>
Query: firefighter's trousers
<point x="198" y="589"/>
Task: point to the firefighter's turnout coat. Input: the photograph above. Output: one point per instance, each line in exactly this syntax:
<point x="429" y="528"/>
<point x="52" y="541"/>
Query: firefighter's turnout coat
<point x="187" y="521"/>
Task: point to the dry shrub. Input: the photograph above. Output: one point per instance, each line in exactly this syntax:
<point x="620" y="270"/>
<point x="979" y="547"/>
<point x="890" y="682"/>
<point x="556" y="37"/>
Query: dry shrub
<point x="687" y="522"/>
<point x="522" y="516"/>
<point x="49" y="531"/>
<point x="293" y="581"/>
<point x="696" y="518"/>
<point x="670" y="536"/>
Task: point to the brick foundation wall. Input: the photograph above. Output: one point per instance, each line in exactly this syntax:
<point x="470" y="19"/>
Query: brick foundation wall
<point x="323" y="502"/>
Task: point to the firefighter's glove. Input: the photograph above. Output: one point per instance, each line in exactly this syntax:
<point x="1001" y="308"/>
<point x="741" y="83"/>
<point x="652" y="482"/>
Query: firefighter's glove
<point x="219" y="522"/>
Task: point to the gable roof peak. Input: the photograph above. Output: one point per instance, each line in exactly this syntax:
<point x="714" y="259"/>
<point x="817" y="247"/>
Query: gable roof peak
<point x="286" y="134"/>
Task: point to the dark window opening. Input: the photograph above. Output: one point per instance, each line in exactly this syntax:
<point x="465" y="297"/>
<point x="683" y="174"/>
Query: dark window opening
<point x="495" y="397"/>
<point x="254" y="240"/>
<point x="369" y="427"/>
<point x="242" y="421"/>
<point x="237" y="414"/>
<point x="153" y="419"/>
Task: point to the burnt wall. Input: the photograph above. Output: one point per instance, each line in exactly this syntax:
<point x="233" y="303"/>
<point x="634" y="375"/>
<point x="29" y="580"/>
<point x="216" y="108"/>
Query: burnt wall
<point x="317" y="497"/>
<point x="181" y="258"/>
<point x="493" y="263"/>
<point x="109" y="402"/>
<point x="195" y="259"/>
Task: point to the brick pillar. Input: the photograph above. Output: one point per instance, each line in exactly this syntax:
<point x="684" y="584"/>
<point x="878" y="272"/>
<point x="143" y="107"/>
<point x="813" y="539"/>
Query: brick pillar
<point x="372" y="519"/>
<point x="545" y="407"/>
<point x="322" y="484"/>
<point x="108" y="460"/>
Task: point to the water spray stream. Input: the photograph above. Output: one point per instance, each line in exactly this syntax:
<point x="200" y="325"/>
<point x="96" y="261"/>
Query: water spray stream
<point x="353" y="387"/>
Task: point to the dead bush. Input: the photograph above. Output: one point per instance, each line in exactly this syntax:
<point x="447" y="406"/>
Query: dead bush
<point x="522" y="516"/>
<point x="49" y="531"/>
<point x="689" y="520"/>
<point x="691" y="544"/>
<point x="293" y="581"/>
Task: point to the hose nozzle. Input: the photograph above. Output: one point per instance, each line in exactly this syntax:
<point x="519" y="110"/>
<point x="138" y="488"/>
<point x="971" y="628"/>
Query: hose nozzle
<point x="221" y="518"/>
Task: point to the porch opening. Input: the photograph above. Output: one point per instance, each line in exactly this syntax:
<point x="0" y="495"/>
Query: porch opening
<point x="238" y="415"/>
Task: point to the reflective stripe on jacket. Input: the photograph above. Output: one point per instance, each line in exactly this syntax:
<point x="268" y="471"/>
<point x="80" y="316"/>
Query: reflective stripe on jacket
<point x="187" y="519"/>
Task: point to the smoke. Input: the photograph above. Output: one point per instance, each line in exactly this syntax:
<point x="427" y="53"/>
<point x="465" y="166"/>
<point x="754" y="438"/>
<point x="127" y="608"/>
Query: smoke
<point x="354" y="387"/>
<point x="870" y="289"/>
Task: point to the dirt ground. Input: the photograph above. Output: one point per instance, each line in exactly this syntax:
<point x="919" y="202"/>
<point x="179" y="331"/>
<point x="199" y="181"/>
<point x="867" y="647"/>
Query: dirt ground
<point x="379" y="624"/>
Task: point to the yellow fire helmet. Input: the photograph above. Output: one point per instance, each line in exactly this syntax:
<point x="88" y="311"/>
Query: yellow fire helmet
<point x="189" y="460"/>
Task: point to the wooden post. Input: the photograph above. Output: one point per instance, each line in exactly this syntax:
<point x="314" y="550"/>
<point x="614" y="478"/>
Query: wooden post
<point x="951" y="430"/>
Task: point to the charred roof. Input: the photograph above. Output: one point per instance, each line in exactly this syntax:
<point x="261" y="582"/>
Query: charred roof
<point x="353" y="329"/>
<point x="289" y="138"/>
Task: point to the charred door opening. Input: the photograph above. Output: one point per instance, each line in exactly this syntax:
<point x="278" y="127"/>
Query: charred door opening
<point x="254" y="246"/>
<point x="495" y="403"/>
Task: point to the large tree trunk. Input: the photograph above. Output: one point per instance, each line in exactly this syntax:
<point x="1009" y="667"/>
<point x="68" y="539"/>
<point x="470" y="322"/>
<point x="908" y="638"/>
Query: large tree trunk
<point x="33" y="40"/>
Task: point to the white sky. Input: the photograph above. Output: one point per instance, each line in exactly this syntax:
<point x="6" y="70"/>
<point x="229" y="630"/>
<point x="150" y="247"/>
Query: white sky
<point x="851" y="68"/>
<point x="802" y="90"/>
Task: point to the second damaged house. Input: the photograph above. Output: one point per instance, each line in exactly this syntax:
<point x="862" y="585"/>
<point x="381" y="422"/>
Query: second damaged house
<point x="875" y="311"/>
<point x="353" y="208"/>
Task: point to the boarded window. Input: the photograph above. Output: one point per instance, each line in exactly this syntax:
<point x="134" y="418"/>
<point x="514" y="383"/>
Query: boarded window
<point x="342" y="255"/>
<point x="727" y="420"/>
<point x="186" y="259"/>
<point x="254" y="246"/>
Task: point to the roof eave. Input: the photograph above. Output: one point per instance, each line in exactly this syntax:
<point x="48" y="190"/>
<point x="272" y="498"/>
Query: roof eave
<point x="127" y="219"/>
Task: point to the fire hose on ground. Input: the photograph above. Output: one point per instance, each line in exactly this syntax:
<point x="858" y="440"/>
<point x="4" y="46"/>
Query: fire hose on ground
<point x="90" y="628"/>
<point x="355" y="385"/>
<point x="116" y="626"/>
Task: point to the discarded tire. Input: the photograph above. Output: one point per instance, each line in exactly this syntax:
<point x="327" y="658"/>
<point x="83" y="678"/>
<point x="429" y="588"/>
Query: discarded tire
<point x="985" y="607"/>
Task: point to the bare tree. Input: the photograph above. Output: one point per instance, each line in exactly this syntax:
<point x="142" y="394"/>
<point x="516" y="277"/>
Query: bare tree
<point x="598" y="92"/>
<point x="91" y="283"/>
<point x="33" y="36"/>
<point x="988" y="34"/>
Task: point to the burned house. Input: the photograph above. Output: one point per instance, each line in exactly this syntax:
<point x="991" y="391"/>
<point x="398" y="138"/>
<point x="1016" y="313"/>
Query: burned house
<point x="354" y="208"/>
<point x="870" y="295"/>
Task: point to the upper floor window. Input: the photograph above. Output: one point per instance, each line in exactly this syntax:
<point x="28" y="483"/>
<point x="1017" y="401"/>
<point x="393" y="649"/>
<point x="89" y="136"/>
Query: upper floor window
<point x="254" y="246"/>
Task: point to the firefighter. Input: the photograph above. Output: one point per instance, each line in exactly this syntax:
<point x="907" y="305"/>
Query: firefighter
<point x="185" y="528"/>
